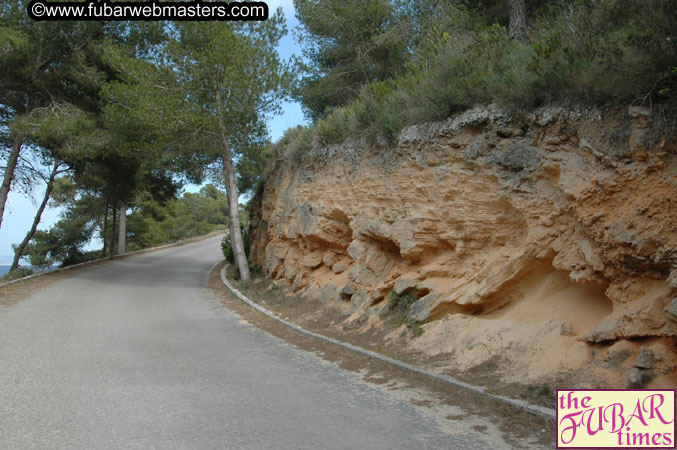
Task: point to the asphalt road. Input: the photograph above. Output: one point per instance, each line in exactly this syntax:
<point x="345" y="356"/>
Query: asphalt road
<point x="137" y="354"/>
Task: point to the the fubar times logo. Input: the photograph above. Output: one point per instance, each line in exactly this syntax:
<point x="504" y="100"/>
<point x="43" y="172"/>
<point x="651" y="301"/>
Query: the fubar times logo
<point x="620" y="418"/>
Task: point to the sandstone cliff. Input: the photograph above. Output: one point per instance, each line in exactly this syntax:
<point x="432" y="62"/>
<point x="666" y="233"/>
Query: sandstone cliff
<point x="549" y="241"/>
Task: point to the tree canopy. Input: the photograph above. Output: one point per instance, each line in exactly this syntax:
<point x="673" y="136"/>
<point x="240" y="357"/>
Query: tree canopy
<point x="233" y="80"/>
<point x="128" y="110"/>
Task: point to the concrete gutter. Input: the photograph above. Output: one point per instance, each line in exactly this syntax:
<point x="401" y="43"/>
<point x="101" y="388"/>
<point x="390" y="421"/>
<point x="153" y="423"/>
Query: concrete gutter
<point x="542" y="411"/>
<point x="111" y="258"/>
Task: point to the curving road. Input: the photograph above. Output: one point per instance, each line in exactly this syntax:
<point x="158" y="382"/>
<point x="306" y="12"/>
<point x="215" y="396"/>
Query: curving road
<point x="137" y="354"/>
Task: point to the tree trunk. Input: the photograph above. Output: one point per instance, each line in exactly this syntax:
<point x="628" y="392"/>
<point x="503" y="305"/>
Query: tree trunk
<point x="122" y="236"/>
<point x="112" y="234"/>
<point x="9" y="175"/>
<point x="231" y="190"/>
<point x="105" y="229"/>
<point x="518" y="28"/>
<point x="19" y="250"/>
<point x="234" y="218"/>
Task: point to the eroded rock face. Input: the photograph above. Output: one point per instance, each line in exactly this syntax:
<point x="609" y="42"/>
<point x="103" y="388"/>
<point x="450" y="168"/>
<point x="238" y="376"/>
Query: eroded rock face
<point x="483" y="212"/>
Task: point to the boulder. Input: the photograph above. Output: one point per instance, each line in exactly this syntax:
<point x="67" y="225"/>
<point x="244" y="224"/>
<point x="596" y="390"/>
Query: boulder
<point x="329" y="259"/>
<point x="672" y="279"/>
<point x="646" y="359"/>
<point x="403" y="285"/>
<point x="298" y="283"/>
<point x="518" y="156"/>
<point x="358" y="299"/>
<point x="637" y="378"/>
<point x="349" y="289"/>
<point x="339" y="267"/>
<point x="329" y="293"/>
<point x="420" y="310"/>
<point x="312" y="261"/>
<point x="362" y="275"/>
<point x="671" y="310"/>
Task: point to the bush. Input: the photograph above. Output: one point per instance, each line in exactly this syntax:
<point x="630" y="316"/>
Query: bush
<point x="603" y="52"/>
<point x="227" y="248"/>
<point x="19" y="272"/>
<point x="399" y="307"/>
<point x="293" y="144"/>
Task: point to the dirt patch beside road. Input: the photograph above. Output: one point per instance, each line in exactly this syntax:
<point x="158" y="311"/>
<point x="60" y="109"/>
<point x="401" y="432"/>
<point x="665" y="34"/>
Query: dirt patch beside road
<point x="444" y="402"/>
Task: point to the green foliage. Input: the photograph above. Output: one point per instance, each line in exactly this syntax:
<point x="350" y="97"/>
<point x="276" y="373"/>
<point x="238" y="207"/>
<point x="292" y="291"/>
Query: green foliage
<point x="62" y="128"/>
<point x="80" y="92"/>
<point x="608" y="51"/>
<point x="128" y="106"/>
<point x="152" y="223"/>
<point x="231" y="78"/>
<point x="416" y="329"/>
<point x="337" y="126"/>
<point x="294" y="143"/>
<point x="399" y="306"/>
<point x="63" y="192"/>
<point x="251" y="166"/>
<point x="20" y="272"/>
<point x="143" y="231"/>
<point x="348" y="44"/>
<point x="63" y="244"/>
<point x="602" y="52"/>
<point x="227" y="249"/>
<point x="46" y="62"/>
<point x="542" y="394"/>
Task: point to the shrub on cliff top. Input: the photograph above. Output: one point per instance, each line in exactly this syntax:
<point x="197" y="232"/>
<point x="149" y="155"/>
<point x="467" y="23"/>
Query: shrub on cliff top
<point x="600" y="52"/>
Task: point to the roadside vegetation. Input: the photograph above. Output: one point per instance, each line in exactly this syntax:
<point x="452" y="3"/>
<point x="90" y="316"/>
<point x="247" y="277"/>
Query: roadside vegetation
<point x="399" y="307"/>
<point x="111" y="118"/>
<point x="404" y="63"/>
<point x="149" y="224"/>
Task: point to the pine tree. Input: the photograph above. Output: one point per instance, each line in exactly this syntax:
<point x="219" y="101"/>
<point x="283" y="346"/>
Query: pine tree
<point x="233" y="78"/>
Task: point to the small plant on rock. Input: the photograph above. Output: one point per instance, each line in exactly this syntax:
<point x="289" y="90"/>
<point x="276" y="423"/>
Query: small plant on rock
<point x="399" y="306"/>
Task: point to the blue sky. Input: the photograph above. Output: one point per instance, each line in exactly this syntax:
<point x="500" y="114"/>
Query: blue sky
<point x="20" y="208"/>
